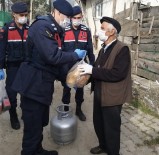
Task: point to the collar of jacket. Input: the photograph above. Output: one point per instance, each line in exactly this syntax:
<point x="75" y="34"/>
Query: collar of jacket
<point x="12" y="25"/>
<point x="107" y="46"/>
<point x="111" y="45"/>
<point x="60" y="30"/>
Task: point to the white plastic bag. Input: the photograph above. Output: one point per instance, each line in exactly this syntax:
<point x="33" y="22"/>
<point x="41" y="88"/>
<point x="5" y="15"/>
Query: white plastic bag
<point x="74" y="79"/>
<point x="4" y="100"/>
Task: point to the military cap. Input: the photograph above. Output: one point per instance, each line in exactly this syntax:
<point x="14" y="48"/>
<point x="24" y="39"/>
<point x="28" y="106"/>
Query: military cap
<point x="76" y="10"/>
<point x="112" y="21"/>
<point x="63" y="7"/>
<point x="19" y="7"/>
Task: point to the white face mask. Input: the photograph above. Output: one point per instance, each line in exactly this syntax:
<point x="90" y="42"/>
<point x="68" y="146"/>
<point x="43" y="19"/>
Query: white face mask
<point x="65" y="23"/>
<point x="76" y="22"/>
<point x="102" y="36"/>
<point x="22" y="20"/>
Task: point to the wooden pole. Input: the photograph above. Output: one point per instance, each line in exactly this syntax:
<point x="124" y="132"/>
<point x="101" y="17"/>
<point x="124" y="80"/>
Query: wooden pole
<point x="132" y="10"/>
<point x="8" y="4"/>
<point x="84" y="14"/>
<point x="123" y="37"/>
<point x="151" y="24"/>
<point x="138" y="42"/>
<point x="114" y="8"/>
<point x="95" y="39"/>
<point x="50" y="4"/>
<point x="31" y="11"/>
<point x="3" y="4"/>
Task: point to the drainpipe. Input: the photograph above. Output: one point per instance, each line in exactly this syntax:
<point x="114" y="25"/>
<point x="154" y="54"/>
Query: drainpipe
<point x="114" y="8"/>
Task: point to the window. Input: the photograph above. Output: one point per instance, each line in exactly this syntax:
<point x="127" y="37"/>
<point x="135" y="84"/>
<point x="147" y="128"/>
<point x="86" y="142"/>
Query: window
<point x="98" y="11"/>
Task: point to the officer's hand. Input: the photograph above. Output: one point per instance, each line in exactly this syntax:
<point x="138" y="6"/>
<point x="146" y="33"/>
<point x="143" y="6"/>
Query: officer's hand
<point x="81" y="53"/>
<point x="85" y="69"/>
<point x="2" y="75"/>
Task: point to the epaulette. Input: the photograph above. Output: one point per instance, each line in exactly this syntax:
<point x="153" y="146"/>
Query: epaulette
<point x="68" y="28"/>
<point x="11" y="26"/>
<point x="54" y="27"/>
<point x="83" y="27"/>
<point x="27" y="27"/>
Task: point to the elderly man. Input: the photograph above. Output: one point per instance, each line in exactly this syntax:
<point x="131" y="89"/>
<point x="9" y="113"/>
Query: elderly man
<point x="111" y="76"/>
<point x="12" y="52"/>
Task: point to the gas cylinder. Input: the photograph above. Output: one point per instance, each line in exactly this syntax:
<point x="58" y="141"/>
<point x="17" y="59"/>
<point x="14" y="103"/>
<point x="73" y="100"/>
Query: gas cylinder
<point x="63" y="127"/>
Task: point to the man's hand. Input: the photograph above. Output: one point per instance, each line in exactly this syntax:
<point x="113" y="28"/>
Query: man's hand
<point x="2" y="75"/>
<point x="85" y="69"/>
<point x="81" y="53"/>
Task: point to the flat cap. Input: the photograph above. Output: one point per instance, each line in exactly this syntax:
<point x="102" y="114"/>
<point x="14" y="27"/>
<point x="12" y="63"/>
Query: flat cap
<point x="76" y="10"/>
<point x="63" y="7"/>
<point x="19" y="7"/>
<point x="112" y="21"/>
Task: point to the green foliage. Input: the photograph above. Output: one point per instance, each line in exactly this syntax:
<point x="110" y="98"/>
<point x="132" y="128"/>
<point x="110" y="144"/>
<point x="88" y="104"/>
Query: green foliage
<point x="135" y="103"/>
<point x="4" y="17"/>
<point x="151" y="142"/>
<point x="40" y="7"/>
<point x="144" y="108"/>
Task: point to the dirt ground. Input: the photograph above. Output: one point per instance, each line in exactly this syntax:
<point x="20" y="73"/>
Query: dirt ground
<point x="10" y="140"/>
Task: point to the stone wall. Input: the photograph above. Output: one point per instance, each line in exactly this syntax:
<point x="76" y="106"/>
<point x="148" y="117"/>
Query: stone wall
<point x="147" y="92"/>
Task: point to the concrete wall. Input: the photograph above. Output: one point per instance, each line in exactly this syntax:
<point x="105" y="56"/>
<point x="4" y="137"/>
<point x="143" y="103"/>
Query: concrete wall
<point x="146" y="92"/>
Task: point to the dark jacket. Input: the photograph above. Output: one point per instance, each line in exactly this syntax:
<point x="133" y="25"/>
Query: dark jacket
<point x="12" y="44"/>
<point x="112" y="75"/>
<point x="35" y="78"/>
